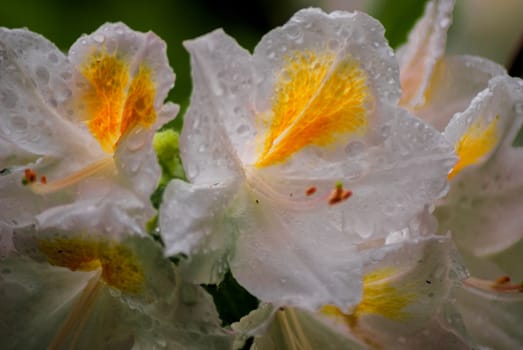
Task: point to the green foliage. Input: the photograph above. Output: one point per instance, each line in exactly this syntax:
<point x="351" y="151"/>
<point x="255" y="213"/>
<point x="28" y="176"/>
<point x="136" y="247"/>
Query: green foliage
<point x="518" y="140"/>
<point x="398" y="17"/>
<point x="232" y="300"/>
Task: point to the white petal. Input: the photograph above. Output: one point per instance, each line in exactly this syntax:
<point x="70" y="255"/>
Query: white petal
<point x="33" y="93"/>
<point x="492" y="320"/>
<point x="165" y="310"/>
<point x="116" y="214"/>
<point x="136" y="159"/>
<point x="132" y="47"/>
<point x="293" y="258"/>
<point x="355" y="35"/>
<point x="425" y="46"/>
<point x="219" y="120"/>
<point x="406" y="306"/>
<point x="190" y="212"/>
<point x="296" y="329"/>
<point x="35" y="301"/>
<point x="392" y="177"/>
<point x="455" y="82"/>
<point x="481" y="206"/>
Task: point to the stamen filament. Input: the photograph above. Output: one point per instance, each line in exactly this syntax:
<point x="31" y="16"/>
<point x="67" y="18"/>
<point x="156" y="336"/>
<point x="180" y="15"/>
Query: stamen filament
<point x="47" y="186"/>
<point x="502" y="284"/>
<point x="78" y="314"/>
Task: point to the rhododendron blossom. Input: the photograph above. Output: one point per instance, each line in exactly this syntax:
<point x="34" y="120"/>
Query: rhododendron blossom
<point x="298" y="157"/>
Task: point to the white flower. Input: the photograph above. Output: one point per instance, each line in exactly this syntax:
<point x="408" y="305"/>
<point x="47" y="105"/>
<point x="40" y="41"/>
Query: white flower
<point x="74" y="282"/>
<point x="436" y="85"/>
<point x="406" y="304"/>
<point x="275" y="143"/>
<point x="81" y="125"/>
<point x="479" y="109"/>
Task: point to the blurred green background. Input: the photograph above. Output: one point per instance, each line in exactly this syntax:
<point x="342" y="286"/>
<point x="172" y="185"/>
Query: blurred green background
<point x="63" y="21"/>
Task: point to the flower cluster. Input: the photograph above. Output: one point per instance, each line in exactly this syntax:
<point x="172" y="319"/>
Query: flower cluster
<point x="368" y="199"/>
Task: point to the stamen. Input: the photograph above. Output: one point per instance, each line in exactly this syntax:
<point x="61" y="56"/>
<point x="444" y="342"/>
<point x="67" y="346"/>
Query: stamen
<point x="339" y="195"/>
<point x="46" y="187"/>
<point x="29" y="177"/>
<point x="502" y="284"/>
<point x="78" y="314"/>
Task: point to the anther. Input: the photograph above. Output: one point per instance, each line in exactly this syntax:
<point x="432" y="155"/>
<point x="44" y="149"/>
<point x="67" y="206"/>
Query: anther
<point x="501" y="284"/>
<point x="339" y="194"/>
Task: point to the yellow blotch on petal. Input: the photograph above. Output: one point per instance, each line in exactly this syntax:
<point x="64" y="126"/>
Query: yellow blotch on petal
<point x="117" y="102"/>
<point x="317" y="99"/>
<point x="120" y="267"/>
<point x="379" y="298"/>
<point x="480" y="138"/>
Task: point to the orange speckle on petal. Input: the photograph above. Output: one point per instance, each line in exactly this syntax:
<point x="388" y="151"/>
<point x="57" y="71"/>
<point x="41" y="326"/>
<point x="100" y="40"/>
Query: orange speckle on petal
<point x="117" y="101"/>
<point x="310" y="191"/>
<point x="318" y="98"/>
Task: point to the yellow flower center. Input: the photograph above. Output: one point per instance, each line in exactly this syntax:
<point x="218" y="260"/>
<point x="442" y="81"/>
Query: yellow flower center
<point x="117" y="103"/>
<point x="480" y="138"/>
<point x="120" y="267"/>
<point x="317" y="99"/>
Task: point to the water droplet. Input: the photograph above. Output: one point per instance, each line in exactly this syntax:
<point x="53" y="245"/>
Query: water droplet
<point x="385" y="131"/>
<point x="63" y="93"/>
<point x="136" y="139"/>
<point x="99" y="38"/>
<point x="196" y="124"/>
<point x="42" y="75"/>
<point x="83" y="42"/>
<point x="52" y="57"/>
<point x="242" y="129"/>
<point x="445" y="22"/>
<point x="271" y="55"/>
<point x="8" y="98"/>
<point x="293" y="31"/>
<point x="202" y="148"/>
<point x="518" y="108"/>
<point x="66" y="75"/>
<point x="354" y="148"/>
<point x="333" y="44"/>
<point x="192" y="171"/>
<point x="18" y="123"/>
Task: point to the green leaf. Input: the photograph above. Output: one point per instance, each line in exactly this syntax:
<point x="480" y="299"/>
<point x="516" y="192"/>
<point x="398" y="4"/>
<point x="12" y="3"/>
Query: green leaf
<point x="398" y="18"/>
<point x="518" y="140"/>
<point x="232" y="300"/>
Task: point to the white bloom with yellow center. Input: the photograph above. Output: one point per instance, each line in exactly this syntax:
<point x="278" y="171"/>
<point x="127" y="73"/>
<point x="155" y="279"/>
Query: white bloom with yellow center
<point x="296" y="155"/>
<point x="74" y="283"/>
<point x="479" y="109"/>
<point x="79" y="125"/>
<point x="482" y="206"/>
<point x="406" y="304"/>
